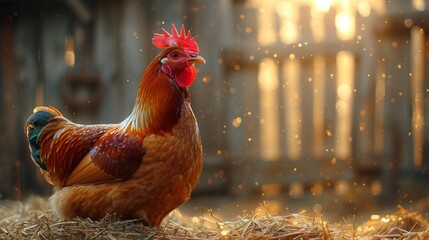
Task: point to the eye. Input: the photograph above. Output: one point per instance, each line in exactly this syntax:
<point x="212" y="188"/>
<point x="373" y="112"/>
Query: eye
<point x="174" y="55"/>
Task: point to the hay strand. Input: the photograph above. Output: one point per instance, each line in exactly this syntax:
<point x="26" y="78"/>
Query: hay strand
<point x="33" y="220"/>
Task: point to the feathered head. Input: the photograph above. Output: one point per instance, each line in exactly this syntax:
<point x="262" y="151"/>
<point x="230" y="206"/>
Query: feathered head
<point x="183" y="40"/>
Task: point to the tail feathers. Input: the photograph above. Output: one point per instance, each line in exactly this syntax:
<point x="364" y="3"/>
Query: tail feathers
<point x="35" y="123"/>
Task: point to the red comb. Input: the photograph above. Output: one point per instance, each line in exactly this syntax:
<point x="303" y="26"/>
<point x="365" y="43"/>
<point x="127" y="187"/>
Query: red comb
<point x="183" y="40"/>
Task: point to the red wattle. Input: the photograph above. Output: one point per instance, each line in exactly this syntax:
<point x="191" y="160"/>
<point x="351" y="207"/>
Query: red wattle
<point x="186" y="77"/>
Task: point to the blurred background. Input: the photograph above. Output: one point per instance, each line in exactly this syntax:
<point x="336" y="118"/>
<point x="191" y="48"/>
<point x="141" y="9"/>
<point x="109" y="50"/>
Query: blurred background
<point x="305" y="104"/>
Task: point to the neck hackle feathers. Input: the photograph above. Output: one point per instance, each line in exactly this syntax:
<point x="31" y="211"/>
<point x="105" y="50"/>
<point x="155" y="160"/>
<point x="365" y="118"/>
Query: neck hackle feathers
<point x="186" y="41"/>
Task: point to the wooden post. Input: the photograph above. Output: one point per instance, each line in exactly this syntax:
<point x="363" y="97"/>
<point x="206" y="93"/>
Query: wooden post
<point x="417" y="81"/>
<point x="364" y="101"/>
<point x="7" y="124"/>
<point x="136" y="42"/>
<point x="106" y="59"/>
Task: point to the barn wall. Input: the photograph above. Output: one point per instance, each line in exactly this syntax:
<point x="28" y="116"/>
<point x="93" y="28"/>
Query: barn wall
<point x="111" y="43"/>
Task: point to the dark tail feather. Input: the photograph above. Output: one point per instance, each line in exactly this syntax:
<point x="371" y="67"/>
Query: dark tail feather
<point x="35" y="123"/>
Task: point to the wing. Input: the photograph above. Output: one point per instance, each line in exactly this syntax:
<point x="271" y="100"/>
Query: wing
<point x="69" y="153"/>
<point x="63" y="145"/>
<point x="114" y="157"/>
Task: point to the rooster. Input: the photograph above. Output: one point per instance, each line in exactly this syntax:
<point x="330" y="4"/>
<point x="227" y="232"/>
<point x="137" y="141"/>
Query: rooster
<point x="142" y="168"/>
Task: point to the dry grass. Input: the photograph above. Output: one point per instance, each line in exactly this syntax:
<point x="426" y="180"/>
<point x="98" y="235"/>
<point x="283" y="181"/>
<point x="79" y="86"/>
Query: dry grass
<point x="402" y="225"/>
<point x="33" y="220"/>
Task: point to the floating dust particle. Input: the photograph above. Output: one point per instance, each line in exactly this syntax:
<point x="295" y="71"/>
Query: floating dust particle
<point x="236" y="122"/>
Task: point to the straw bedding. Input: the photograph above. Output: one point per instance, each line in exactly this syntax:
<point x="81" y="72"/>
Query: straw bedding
<point x="32" y="219"/>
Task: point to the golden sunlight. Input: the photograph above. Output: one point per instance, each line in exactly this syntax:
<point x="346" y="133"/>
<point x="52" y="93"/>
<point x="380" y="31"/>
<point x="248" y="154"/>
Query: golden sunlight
<point x="268" y="87"/>
<point x="319" y="66"/>
<point x="317" y="24"/>
<point x="380" y="93"/>
<point x="288" y="12"/>
<point x="419" y="5"/>
<point x="69" y="56"/>
<point x="286" y="24"/>
<point x="345" y="80"/>
<point x="322" y="5"/>
<point x="266" y="19"/>
<point x="364" y="8"/>
<point x="417" y="81"/>
<point x="379" y="6"/>
<point x="292" y="102"/>
<point x="345" y="21"/>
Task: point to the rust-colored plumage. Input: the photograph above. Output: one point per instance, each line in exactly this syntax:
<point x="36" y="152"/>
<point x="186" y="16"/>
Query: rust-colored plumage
<point x="143" y="167"/>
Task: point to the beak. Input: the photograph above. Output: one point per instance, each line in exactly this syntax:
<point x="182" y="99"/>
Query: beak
<point x="197" y="59"/>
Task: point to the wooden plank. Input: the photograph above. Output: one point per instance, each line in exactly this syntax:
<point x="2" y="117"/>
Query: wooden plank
<point x="27" y="83"/>
<point x="204" y="19"/>
<point x="135" y="44"/>
<point x="107" y="59"/>
<point x="399" y="18"/>
<point x="214" y="178"/>
<point x="364" y="99"/>
<point x="235" y="126"/>
<point x="5" y="107"/>
<point x="249" y="176"/>
<point x="306" y="102"/>
<point x="329" y="49"/>
<point x="167" y="12"/>
<point x="54" y="29"/>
